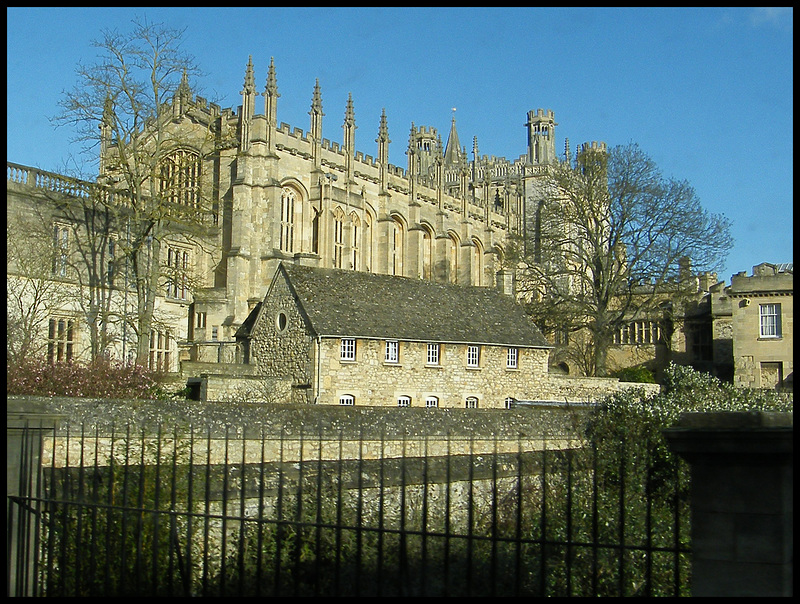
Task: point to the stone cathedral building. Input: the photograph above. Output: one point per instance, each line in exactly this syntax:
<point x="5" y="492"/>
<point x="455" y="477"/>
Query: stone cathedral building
<point x="279" y="194"/>
<point x="288" y="196"/>
<point x="279" y="197"/>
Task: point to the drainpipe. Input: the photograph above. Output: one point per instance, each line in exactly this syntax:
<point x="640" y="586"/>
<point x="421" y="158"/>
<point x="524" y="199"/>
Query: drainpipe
<point x="319" y="366"/>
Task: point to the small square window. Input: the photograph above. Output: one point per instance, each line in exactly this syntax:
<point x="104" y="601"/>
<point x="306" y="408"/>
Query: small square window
<point x="511" y="358"/>
<point x="347" y="399"/>
<point x="348" y="350"/>
<point x="392" y="351"/>
<point x="472" y="402"/>
<point x="431" y="402"/>
<point x="403" y="401"/>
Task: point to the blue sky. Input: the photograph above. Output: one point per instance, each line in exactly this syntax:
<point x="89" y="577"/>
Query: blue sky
<point x="707" y="92"/>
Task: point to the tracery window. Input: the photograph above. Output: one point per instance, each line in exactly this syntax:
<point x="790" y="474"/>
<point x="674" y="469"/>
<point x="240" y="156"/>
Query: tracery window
<point x="455" y="247"/>
<point x="180" y="178"/>
<point x="356" y="248"/>
<point x="398" y="247"/>
<point x="287" y="220"/>
<point x="338" y="238"/>
<point x="427" y="253"/>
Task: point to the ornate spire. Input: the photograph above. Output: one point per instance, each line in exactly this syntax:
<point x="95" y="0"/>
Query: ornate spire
<point x="316" y="100"/>
<point x="272" y="81"/>
<point x="249" y="79"/>
<point x="349" y="113"/>
<point x="383" y="139"/>
<point x="316" y="126"/>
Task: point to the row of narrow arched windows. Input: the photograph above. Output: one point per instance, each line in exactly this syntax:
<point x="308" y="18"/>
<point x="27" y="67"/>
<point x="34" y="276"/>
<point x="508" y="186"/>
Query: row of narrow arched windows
<point x="360" y="243"/>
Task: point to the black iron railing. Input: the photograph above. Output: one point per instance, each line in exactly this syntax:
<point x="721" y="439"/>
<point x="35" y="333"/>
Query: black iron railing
<point x="184" y="512"/>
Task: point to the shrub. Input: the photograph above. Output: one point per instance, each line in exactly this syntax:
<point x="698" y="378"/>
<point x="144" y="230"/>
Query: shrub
<point x="636" y="374"/>
<point x="99" y="379"/>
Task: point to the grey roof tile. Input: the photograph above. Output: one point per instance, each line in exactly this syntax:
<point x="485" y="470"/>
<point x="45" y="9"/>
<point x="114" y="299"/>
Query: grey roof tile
<point x="357" y="304"/>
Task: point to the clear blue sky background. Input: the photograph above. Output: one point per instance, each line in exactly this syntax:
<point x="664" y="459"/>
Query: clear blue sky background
<point x="707" y="93"/>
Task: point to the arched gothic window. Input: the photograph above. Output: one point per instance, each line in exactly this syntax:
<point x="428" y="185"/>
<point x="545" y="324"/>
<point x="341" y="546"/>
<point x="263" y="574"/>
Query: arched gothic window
<point x="427" y="253"/>
<point x="477" y="262"/>
<point x="455" y="248"/>
<point x="398" y="247"/>
<point x="288" y="198"/>
<point x="356" y="245"/>
<point x="338" y="238"/>
<point x="367" y="254"/>
<point x="180" y="178"/>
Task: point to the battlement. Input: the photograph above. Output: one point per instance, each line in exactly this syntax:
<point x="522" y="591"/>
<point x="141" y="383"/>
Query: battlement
<point x="593" y="146"/>
<point x="541" y="115"/>
<point x="427" y="131"/>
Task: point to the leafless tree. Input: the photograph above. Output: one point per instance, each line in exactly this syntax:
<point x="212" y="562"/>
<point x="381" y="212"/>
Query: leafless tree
<point x="123" y="110"/>
<point x="608" y="241"/>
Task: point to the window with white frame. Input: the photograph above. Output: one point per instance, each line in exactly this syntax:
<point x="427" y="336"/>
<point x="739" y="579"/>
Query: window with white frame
<point x="347" y="399"/>
<point x="431" y="402"/>
<point x="473" y="355"/>
<point x="348" y="349"/>
<point x="472" y="402"/>
<point x="770" y="320"/>
<point x="433" y="354"/>
<point x="403" y="401"/>
<point x="392" y="351"/>
<point x="511" y="358"/>
<point x="60" y="340"/>
<point x="509" y="402"/>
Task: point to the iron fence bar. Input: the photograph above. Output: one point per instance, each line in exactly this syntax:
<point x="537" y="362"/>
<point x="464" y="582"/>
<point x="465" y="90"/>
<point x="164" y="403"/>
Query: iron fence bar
<point x="359" y="510"/>
<point x="299" y="515"/>
<point x="338" y="533"/>
<point x="318" y="532"/>
<point x="279" y="524"/>
<point x="648" y="587"/>
<point x="569" y="525"/>
<point x="543" y="525"/>
<point x="156" y="517"/>
<point x="424" y="520"/>
<point x="595" y="522"/>
<point x="260" y="538"/>
<point x="381" y="494"/>
<point x="493" y="528"/>
<point x="518" y="521"/>
<point x="470" y="512"/>
<point x="242" y="495"/>
<point x="207" y="517"/>
<point x="622" y="473"/>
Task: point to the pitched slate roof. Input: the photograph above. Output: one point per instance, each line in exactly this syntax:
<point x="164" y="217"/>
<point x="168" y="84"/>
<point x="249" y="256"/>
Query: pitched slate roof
<point x="343" y="303"/>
